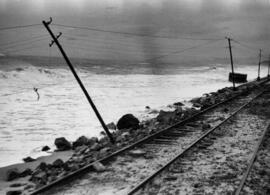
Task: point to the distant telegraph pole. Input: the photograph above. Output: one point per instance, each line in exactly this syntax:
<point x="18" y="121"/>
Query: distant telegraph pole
<point x="55" y="40"/>
<point x="268" y="67"/>
<point x="231" y="57"/>
<point x="259" y="65"/>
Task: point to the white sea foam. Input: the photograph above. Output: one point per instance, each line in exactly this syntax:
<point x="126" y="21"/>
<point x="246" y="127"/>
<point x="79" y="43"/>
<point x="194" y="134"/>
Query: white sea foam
<point x="27" y="124"/>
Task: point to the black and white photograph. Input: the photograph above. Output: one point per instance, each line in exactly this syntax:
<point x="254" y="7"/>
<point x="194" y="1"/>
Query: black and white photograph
<point x="134" y="97"/>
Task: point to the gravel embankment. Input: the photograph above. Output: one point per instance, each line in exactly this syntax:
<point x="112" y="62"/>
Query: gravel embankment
<point x="127" y="170"/>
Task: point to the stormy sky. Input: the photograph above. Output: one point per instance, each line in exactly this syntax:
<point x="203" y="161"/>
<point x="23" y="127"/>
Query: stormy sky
<point x="244" y="20"/>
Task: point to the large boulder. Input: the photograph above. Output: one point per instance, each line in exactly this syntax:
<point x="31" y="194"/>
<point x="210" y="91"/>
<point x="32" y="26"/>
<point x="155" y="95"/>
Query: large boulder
<point x="62" y="144"/>
<point x="128" y="121"/>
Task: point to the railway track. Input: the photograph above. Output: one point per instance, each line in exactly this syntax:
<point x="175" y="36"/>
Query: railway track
<point x="124" y="170"/>
<point x="213" y="163"/>
<point x="256" y="178"/>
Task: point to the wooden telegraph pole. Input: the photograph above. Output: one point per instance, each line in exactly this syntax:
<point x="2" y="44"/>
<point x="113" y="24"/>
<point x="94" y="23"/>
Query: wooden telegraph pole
<point x="259" y="65"/>
<point x="268" y="67"/>
<point x="55" y="40"/>
<point x="231" y="57"/>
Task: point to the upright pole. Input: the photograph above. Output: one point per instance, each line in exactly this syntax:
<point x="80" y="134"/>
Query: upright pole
<point x="230" y="48"/>
<point x="55" y="40"/>
<point x="268" y="67"/>
<point x="259" y="65"/>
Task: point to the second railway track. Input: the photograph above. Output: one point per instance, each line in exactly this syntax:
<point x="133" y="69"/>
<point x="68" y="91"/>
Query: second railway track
<point x="128" y="172"/>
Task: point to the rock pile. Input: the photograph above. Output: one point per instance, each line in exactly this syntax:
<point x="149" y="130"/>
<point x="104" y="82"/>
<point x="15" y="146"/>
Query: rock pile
<point x="127" y="131"/>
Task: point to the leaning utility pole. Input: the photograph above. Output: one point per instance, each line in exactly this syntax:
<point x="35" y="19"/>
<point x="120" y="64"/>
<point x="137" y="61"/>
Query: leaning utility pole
<point x="230" y="48"/>
<point x="259" y="65"/>
<point x="55" y="40"/>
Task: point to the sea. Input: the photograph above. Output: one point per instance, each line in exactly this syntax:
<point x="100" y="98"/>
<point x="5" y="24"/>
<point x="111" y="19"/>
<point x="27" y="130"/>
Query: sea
<point x="28" y="123"/>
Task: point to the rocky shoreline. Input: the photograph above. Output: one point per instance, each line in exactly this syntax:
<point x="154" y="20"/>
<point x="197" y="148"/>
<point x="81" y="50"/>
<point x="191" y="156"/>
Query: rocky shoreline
<point x="85" y="150"/>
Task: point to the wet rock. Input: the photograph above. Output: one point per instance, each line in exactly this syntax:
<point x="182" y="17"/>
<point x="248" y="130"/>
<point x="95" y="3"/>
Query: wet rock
<point x="99" y="167"/>
<point x="179" y="111"/>
<point x="26" y="172"/>
<point x="165" y="117"/>
<point x="128" y="121"/>
<point x="195" y="100"/>
<point x="189" y="112"/>
<point x="92" y="141"/>
<point x="29" y="186"/>
<point x="137" y="153"/>
<point x="122" y="137"/>
<point x="125" y="135"/>
<point x="14" y="192"/>
<point x="51" y="178"/>
<point x="95" y="147"/>
<point x="29" y="159"/>
<point x="206" y="105"/>
<point x="80" y="141"/>
<point x="104" y="141"/>
<point x="16" y="185"/>
<point x="153" y="111"/>
<point x="198" y="185"/>
<point x="104" y="151"/>
<point x="62" y="144"/>
<point x="225" y="110"/>
<point x="197" y="105"/>
<point x="178" y="104"/>
<point x="45" y="148"/>
<point x="102" y="133"/>
<point x="170" y="178"/>
<point x="81" y="149"/>
<point x="40" y="178"/>
<point x="58" y="163"/>
<point x="42" y="166"/>
<point x="111" y="126"/>
<point x="12" y="174"/>
<point x="73" y="167"/>
<point x="206" y="126"/>
<point x="54" y="171"/>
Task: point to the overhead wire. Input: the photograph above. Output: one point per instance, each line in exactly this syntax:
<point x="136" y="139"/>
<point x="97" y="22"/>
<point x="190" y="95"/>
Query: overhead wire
<point x="22" y="41"/>
<point x="120" y="33"/>
<point x="25" y="42"/>
<point x="245" y="45"/>
<point x="18" y="27"/>
<point x="181" y="51"/>
<point x="24" y="48"/>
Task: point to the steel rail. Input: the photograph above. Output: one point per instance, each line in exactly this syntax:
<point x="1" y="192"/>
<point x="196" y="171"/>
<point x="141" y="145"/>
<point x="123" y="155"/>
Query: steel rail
<point x="252" y="160"/>
<point x="191" y="146"/>
<point x="109" y="157"/>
